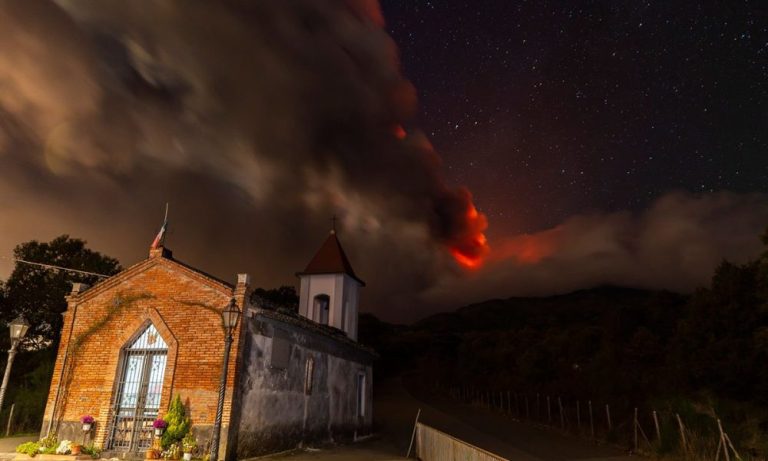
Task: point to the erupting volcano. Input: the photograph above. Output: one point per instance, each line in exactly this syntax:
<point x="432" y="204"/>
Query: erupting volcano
<point x="471" y="247"/>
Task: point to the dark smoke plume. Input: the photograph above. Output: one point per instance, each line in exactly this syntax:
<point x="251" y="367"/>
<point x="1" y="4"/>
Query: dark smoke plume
<point x="257" y="121"/>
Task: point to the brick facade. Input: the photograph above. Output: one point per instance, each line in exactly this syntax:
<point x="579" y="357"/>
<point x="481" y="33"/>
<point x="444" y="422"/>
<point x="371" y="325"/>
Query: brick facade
<point x="184" y="305"/>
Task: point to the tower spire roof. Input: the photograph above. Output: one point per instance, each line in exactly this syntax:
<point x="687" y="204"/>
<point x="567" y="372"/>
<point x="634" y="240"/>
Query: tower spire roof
<point x="331" y="259"/>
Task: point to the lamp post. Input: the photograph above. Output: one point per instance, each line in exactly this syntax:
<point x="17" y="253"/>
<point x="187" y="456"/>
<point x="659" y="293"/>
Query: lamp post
<point x="18" y="329"/>
<point x="229" y="318"/>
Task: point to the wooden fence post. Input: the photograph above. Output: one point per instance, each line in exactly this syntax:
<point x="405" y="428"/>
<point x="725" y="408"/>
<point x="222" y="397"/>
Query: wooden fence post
<point x="608" y="417"/>
<point x="635" y="427"/>
<point x="538" y="407"/>
<point x="578" y="415"/>
<point x="562" y="416"/>
<point x="517" y="406"/>
<point x="527" y="409"/>
<point x="728" y="439"/>
<point x="549" y="411"/>
<point x="658" y="428"/>
<point x="682" y="432"/>
<point x="591" y="420"/>
<point x="722" y="441"/>
<point x="10" y="418"/>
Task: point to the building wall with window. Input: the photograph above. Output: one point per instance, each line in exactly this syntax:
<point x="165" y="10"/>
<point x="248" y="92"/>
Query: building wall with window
<point x="301" y="382"/>
<point x="133" y="342"/>
<point x="107" y="368"/>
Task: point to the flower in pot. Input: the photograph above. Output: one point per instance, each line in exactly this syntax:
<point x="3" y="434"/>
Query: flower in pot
<point x="64" y="448"/>
<point x="189" y="443"/>
<point x="159" y="425"/>
<point x="87" y="421"/>
<point x="75" y="449"/>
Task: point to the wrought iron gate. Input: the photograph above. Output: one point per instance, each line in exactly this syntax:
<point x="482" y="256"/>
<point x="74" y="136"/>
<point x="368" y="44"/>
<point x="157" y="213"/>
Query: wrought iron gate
<point x="139" y="389"/>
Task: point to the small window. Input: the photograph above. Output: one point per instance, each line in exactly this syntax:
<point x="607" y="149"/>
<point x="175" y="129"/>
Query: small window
<point x="322" y="305"/>
<point x="281" y="353"/>
<point x="309" y="375"/>
<point x="361" y="394"/>
<point x="344" y="314"/>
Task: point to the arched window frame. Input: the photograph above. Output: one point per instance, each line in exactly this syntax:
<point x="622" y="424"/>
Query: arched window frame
<point x="127" y="336"/>
<point x="321" y="307"/>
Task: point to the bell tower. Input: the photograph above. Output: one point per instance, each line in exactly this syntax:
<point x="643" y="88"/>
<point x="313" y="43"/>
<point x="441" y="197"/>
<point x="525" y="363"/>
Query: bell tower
<point x="330" y="290"/>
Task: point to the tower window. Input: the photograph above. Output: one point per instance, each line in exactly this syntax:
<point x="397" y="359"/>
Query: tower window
<point x="321" y="308"/>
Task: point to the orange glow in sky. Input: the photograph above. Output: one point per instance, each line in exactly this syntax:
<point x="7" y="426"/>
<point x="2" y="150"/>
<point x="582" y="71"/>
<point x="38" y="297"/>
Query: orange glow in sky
<point x="472" y="249"/>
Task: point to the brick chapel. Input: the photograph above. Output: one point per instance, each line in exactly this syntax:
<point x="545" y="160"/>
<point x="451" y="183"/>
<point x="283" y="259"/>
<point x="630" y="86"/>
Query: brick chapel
<point x="133" y="342"/>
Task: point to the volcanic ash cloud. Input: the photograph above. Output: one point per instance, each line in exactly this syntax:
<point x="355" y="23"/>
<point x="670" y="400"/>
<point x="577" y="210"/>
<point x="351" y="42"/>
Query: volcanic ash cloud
<point x="256" y="120"/>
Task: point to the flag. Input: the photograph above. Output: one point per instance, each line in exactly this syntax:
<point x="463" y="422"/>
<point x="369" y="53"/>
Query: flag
<point x="160" y="236"/>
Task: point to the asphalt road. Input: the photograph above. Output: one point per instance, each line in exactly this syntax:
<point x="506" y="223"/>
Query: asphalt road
<point x="395" y="410"/>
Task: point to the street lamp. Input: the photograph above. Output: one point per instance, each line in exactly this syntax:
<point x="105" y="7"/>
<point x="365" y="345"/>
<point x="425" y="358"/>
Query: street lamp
<point x="229" y="318"/>
<point x="18" y="329"/>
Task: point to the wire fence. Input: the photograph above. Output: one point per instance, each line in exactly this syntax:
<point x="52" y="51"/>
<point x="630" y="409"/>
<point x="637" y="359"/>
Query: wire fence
<point x="640" y="431"/>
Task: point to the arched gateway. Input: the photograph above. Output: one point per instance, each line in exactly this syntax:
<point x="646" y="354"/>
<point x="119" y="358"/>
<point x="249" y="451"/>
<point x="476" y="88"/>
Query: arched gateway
<point x="138" y="391"/>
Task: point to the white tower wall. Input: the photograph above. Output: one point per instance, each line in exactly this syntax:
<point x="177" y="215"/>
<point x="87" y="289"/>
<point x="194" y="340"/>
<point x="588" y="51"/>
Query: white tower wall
<point x="343" y="293"/>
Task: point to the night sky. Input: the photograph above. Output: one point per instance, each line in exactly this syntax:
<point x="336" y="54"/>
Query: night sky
<point x="548" y="109"/>
<point x="547" y="146"/>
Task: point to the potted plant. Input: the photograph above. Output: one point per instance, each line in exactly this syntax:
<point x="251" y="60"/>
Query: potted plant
<point x="153" y="453"/>
<point x="64" y="448"/>
<point x="87" y="421"/>
<point x="75" y="449"/>
<point x="189" y="443"/>
<point x="159" y="425"/>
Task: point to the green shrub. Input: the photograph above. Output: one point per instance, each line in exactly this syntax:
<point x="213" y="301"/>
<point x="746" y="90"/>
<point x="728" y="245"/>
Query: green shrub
<point x="92" y="451"/>
<point x="189" y="442"/>
<point x="178" y="424"/>
<point x="49" y="442"/>
<point x="28" y="448"/>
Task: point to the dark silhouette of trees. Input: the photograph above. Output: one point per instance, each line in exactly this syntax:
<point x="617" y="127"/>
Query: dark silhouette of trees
<point x="284" y="299"/>
<point x="39" y="293"/>
<point x="634" y="347"/>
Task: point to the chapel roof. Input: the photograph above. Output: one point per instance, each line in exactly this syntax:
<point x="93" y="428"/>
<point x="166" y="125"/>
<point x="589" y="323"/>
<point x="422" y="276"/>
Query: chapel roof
<point x="157" y="256"/>
<point x="331" y="259"/>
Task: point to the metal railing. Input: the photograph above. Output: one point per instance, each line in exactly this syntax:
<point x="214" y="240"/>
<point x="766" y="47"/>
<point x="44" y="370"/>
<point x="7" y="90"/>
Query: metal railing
<point x="434" y="445"/>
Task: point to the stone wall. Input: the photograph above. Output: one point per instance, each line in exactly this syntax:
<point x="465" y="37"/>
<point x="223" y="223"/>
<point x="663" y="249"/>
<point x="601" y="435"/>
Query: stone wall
<point x="276" y="412"/>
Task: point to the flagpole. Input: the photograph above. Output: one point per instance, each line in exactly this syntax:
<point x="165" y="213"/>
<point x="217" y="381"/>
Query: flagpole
<point x="165" y="223"/>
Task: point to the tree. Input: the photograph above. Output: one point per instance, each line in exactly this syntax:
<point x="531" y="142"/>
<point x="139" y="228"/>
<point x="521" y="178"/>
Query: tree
<point x="39" y="293"/>
<point x="283" y="298"/>
<point x="178" y="424"/>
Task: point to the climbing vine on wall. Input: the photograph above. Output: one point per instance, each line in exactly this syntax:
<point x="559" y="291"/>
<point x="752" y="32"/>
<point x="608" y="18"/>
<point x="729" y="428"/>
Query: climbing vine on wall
<point x="119" y="302"/>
